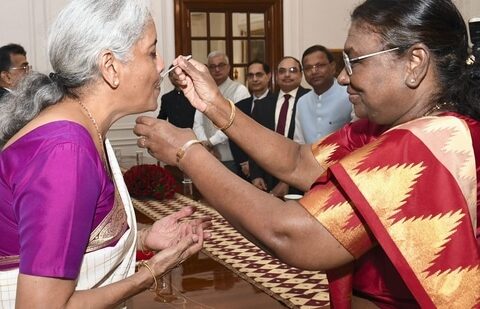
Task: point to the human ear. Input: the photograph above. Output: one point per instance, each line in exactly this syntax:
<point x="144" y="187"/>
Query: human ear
<point x="418" y="65"/>
<point x="109" y="69"/>
<point x="5" y="77"/>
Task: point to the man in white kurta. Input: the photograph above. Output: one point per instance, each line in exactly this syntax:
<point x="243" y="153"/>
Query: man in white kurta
<point x="211" y="136"/>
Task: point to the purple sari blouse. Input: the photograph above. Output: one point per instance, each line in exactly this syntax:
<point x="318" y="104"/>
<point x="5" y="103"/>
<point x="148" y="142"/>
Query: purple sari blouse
<point x="54" y="191"/>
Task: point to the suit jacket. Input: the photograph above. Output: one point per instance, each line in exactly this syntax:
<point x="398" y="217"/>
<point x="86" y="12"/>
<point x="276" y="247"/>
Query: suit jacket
<point x="264" y="113"/>
<point x="177" y="109"/>
<point x="245" y="106"/>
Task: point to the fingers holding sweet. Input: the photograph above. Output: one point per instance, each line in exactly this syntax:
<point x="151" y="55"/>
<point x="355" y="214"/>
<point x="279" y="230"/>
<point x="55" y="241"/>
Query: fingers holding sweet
<point x="197" y="83"/>
<point x="161" y="138"/>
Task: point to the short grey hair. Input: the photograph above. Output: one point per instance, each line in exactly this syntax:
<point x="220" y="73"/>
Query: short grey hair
<point x="83" y="30"/>
<point x="216" y="53"/>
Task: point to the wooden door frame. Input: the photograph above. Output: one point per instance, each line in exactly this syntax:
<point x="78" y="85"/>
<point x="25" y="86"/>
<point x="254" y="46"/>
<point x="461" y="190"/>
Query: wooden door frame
<point x="273" y="10"/>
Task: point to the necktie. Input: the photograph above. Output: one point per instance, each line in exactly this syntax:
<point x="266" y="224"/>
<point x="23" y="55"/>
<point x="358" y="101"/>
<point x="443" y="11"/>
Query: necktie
<point x="282" y="117"/>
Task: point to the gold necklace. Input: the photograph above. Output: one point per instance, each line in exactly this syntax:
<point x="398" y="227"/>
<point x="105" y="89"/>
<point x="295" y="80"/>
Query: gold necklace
<point x="100" y="138"/>
<point x="437" y="107"/>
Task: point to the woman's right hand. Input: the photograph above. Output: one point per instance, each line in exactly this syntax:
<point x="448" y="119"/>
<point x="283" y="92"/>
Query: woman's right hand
<point x="197" y="83"/>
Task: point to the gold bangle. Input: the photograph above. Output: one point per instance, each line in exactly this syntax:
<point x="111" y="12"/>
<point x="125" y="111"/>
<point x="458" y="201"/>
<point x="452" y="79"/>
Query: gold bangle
<point x="144" y="263"/>
<point x="181" y="152"/>
<point x="232" y="116"/>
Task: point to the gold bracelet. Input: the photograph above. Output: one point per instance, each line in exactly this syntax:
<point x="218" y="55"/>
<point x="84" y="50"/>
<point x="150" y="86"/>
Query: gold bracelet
<point x="144" y="263"/>
<point x="232" y="116"/>
<point x="181" y="152"/>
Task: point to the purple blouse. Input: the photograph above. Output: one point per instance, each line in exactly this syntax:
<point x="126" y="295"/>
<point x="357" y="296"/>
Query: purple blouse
<point x="54" y="191"/>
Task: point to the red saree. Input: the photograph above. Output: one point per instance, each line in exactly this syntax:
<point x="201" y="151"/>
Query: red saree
<point x="404" y="204"/>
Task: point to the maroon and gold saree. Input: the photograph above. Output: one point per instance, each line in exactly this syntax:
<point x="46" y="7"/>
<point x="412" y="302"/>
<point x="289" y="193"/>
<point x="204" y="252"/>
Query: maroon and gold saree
<point x="404" y="204"/>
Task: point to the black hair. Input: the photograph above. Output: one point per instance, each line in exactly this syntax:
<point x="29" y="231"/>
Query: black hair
<point x="294" y="59"/>
<point x="439" y="25"/>
<point x="318" y="48"/>
<point x="265" y="66"/>
<point x="6" y="51"/>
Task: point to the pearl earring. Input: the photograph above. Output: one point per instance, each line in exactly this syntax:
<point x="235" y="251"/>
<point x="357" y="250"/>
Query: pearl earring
<point x="115" y="83"/>
<point x="412" y="80"/>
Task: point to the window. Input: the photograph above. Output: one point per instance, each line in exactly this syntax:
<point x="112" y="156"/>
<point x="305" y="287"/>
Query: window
<point x="244" y="29"/>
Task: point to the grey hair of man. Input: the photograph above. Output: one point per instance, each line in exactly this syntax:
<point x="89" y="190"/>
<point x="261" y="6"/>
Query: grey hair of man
<point x="83" y="30"/>
<point x="216" y="53"/>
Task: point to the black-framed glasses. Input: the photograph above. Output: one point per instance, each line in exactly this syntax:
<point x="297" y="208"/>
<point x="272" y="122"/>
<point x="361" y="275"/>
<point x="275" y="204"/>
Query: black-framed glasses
<point x="257" y="75"/>
<point x="314" y="68"/>
<point x="25" y="68"/>
<point x="292" y="70"/>
<point x="219" y="66"/>
<point x="348" y="62"/>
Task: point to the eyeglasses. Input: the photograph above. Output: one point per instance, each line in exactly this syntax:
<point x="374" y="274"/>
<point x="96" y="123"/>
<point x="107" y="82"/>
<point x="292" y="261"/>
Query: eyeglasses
<point x="219" y="66"/>
<point x="257" y="75"/>
<point x="293" y="70"/>
<point x="25" y="68"/>
<point x="348" y="62"/>
<point x="315" y="67"/>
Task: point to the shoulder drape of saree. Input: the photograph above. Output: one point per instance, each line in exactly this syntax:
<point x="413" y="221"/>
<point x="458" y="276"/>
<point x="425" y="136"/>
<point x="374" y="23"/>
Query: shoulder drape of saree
<point x="102" y="266"/>
<point x="110" y="264"/>
<point x="415" y="189"/>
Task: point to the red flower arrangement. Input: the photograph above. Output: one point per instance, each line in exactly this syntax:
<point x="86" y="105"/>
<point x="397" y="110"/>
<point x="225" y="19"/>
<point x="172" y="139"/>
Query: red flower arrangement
<point x="150" y="181"/>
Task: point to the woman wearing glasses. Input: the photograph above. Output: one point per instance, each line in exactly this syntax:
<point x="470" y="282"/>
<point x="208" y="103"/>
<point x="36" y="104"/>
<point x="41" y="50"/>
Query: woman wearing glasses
<point x="391" y="209"/>
<point x="68" y="230"/>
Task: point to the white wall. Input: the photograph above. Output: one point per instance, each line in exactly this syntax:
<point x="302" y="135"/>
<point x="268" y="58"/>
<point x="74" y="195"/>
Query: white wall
<point x="306" y="22"/>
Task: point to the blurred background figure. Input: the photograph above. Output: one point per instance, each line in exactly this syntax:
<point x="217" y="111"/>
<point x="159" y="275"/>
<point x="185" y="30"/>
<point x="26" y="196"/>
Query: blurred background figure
<point x="214" y="139"/>
<point x="258" y="78"/>
<point x="326" y="107"/>
<point x="13" y="66"/>
<point x="175" y="107"/>
<point x="277" y="113"/>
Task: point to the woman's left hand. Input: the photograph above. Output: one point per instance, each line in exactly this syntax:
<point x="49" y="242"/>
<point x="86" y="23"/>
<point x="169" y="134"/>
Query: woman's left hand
<point x="162" y="139"/>
<point x="167" y="231"/>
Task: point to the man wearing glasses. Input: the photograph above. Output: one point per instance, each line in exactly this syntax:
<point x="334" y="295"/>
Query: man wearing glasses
<point x="326" y="107"/>
<point x="278" y="114"/>
<point x="258" y="78"/>
<point x="211" y="137"/>
<point x="13" y="67"/>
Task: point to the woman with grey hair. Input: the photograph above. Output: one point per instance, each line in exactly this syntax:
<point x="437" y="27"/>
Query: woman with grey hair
<point x="68" y="227"/>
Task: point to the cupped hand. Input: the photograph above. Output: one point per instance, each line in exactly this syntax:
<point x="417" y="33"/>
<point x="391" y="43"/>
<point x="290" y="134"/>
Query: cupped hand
<point x="169" y="230"/>
<point x="162" y="139"/>
<point x="197" y="83"/>
<point x="177" y="252"/>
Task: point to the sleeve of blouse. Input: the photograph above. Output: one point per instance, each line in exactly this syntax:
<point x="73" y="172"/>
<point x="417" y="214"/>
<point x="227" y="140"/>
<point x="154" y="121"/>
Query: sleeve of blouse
<point x="55" y="203"/>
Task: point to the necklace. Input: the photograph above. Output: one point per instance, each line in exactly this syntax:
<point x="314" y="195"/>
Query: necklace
<point x="437" y="107"/>
<point x="100" y="138"/>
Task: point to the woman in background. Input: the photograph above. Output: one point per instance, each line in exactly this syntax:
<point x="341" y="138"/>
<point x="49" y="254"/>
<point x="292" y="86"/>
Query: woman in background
<point x="391" y="210"/>
<point x="68" y="227"/>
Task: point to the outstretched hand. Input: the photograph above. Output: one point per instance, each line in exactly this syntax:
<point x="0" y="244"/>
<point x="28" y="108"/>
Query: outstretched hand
<point x="170" y="230"/>
<point x="178" y="251"/>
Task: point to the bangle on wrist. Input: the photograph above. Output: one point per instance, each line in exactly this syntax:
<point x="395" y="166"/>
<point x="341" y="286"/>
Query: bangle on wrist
<point x="155" y="283"/>
<point x="233" y="111"/>
<point x="181" y="152"/>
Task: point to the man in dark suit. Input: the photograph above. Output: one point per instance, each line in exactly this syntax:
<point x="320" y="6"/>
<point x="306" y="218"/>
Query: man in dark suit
<point x="278" y="114"/>
<point x="13" y="67"/>
<point x="175" y="107"/>
<point x="258" y="79"/>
